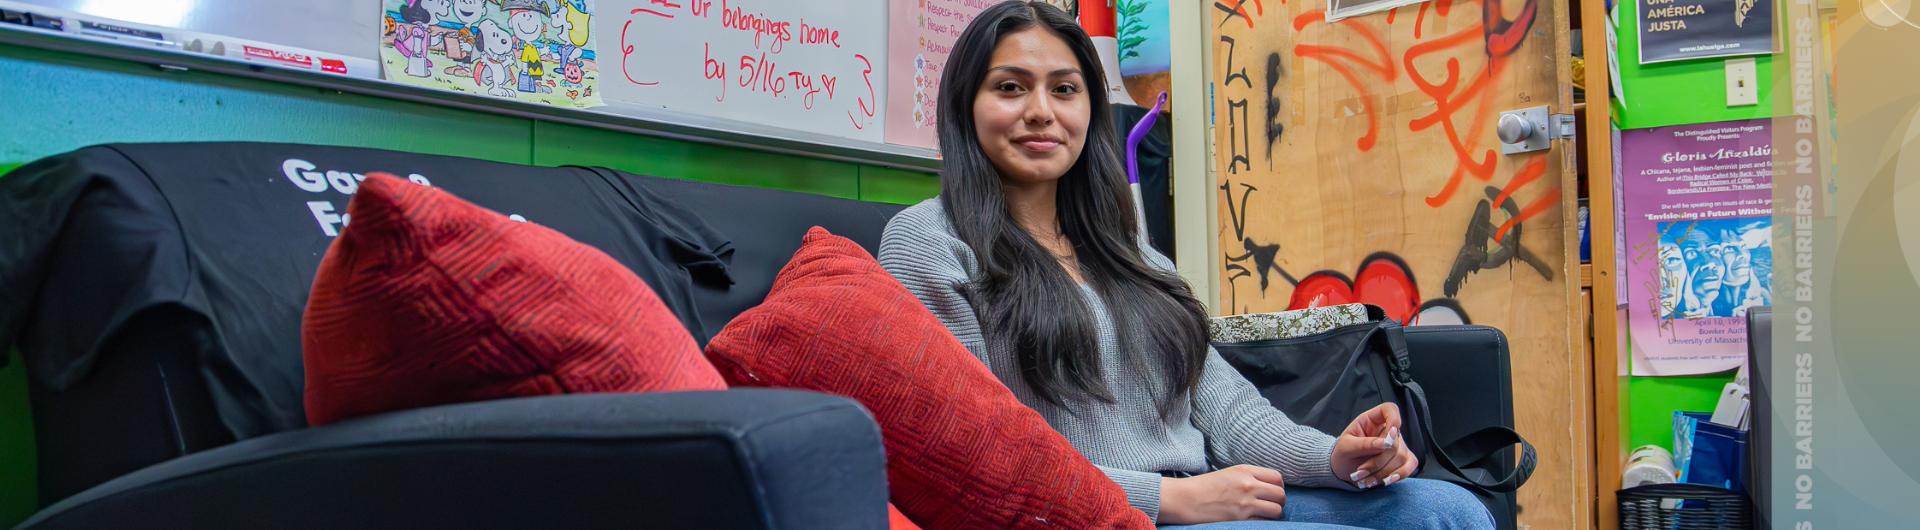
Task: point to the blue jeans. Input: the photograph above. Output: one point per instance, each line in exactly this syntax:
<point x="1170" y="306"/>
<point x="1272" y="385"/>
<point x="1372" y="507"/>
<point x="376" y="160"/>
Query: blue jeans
<point x="1408" y="504"/>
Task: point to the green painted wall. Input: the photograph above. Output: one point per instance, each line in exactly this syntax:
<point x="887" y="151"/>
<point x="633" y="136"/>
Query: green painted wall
<point x="1652" y="400"/>
<point x="59" y="102"/>
<point x="17" y="478"/>
<point x="1682" y="92"/>
<point x="1650" y="420"/>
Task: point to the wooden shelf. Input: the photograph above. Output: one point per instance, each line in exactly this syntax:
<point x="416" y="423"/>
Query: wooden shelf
<point x="1586" y="276"/>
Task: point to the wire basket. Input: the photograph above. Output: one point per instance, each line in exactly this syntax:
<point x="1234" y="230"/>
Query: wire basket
<point x="1683" y="507"/>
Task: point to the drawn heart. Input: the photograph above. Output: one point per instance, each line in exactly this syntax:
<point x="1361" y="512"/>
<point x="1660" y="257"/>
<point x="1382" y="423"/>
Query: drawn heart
<point x="1384" y="281"/>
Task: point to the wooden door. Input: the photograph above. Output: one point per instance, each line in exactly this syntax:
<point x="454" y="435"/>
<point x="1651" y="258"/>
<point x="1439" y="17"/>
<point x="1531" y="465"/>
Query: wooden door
<point x="1357" y="161"/>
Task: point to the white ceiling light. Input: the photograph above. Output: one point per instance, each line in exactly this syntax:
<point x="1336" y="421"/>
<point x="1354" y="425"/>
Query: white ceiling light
<point x="167" y="13"/>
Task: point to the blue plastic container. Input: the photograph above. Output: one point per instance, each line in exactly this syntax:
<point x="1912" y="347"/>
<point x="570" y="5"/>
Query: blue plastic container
<point x="1709" y="453"/>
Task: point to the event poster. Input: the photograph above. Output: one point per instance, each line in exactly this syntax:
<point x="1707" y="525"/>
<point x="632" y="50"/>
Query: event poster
<point x="1675" y="30"/>
<point x="920" y="35"/>
<point x="1697" y="213"/>
<point x="533" y="50"/>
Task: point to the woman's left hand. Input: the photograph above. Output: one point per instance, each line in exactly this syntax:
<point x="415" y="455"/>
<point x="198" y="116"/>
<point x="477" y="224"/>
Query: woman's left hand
<point x="1371" y="452"/>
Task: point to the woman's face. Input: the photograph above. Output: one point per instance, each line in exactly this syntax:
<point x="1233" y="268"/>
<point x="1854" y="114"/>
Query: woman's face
<point x="1030" y="114"/>
<point x="1672" y="260"/>
<point x="1739" y="264"/>
<point x="1706" y="278"/>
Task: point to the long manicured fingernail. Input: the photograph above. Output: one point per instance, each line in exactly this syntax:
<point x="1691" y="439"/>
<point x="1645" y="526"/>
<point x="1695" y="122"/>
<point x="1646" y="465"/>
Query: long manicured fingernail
<point x="1389" y="443"/>
<point x="1393" y="478"/>
<point x="1370" y="484"/>
<point x="1356" y="476"/>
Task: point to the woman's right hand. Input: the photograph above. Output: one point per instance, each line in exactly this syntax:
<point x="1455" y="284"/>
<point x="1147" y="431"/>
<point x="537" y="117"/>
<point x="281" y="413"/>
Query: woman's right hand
<point x="1237" y="493"/>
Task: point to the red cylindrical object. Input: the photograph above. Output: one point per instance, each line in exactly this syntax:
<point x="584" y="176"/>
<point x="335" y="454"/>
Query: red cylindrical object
<point x="1097" y="17"/>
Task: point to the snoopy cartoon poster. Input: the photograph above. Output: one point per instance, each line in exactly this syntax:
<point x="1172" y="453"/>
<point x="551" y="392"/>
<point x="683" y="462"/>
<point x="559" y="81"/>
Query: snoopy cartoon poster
<point x="533" y="50"/>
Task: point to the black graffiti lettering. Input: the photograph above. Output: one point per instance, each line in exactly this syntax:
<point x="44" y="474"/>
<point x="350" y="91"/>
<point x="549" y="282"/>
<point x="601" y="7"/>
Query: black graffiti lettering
<point x="1481" y="252"/>
<point x="1238" y="137"/>
<point x="1265" y="258"/>
<point x="1234" y="273"/>
<point x="1231" y="73"/>
<point x="1230" y="10"/>
<point x="1238" y="214"/>
<point x="1274" y="127"/>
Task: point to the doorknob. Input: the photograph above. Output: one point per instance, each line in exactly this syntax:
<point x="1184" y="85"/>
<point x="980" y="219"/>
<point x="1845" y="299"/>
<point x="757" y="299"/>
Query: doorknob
<point x="1514" y="129"/>
<point x="1531" y="129"/>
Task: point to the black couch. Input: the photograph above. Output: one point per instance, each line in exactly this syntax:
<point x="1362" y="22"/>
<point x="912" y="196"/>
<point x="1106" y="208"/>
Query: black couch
<point x="155" y="290"/>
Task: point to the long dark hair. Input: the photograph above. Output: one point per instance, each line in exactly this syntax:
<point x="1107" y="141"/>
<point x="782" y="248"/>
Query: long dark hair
<point x="1027" y="302"/>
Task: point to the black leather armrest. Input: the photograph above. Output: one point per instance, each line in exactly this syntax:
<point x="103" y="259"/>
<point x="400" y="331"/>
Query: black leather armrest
<point x="1467" y="375"/>
<point x="736" y="459"/>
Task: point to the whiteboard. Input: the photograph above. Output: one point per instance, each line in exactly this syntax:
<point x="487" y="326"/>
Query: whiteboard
<point x="811" y="66"/>
<point x="667" y="60"/>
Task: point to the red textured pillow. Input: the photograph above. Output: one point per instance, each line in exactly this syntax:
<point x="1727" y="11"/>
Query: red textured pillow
<point x="962" y="452"/>
<point x="426" y="299"/>
<point x="897" y="520"/>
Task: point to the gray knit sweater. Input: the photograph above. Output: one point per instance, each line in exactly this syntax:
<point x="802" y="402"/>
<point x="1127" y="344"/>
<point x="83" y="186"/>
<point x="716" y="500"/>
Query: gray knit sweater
<point x="1226" y="421"/>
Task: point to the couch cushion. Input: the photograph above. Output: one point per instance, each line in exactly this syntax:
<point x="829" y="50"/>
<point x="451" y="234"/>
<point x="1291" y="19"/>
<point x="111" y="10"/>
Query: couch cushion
<point x="962" y="452"/>
<point x="426" y="299"/>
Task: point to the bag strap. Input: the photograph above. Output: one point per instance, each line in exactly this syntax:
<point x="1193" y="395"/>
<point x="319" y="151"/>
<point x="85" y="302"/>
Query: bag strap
<point x="1478" y="449"/>
<point x="1391" y="338"/>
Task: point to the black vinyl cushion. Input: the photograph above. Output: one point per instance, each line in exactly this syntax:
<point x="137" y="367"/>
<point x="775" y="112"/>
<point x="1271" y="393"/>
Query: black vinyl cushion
<point x="734" y="459"/>
<point x="1468" y="380"/>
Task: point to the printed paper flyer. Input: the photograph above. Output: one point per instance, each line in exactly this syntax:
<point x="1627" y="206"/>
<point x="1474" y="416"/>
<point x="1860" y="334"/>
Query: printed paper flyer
<point x="536" y="50"/>
<point x="1697" y="211"/>
<point x="919" y="37"/>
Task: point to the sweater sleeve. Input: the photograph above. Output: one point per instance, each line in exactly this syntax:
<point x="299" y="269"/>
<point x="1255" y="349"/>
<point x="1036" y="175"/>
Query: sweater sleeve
<point x="1242" y="427"/>
<point x="1143" y="488"/>
<point x="918" y="250"/>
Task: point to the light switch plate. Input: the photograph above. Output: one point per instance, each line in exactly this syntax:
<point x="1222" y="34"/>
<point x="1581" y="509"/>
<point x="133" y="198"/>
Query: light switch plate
<point x="1742" y="82"/>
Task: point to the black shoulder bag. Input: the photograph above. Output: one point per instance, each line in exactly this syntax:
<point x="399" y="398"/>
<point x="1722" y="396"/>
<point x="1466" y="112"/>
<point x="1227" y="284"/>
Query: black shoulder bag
<point x="1326" y="379"/>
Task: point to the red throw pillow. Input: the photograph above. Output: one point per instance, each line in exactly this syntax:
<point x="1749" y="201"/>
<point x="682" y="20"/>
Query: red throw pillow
<point x="426" y="299"/>
<point x="897" y="520"/>
<point x="962" y="452"/>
